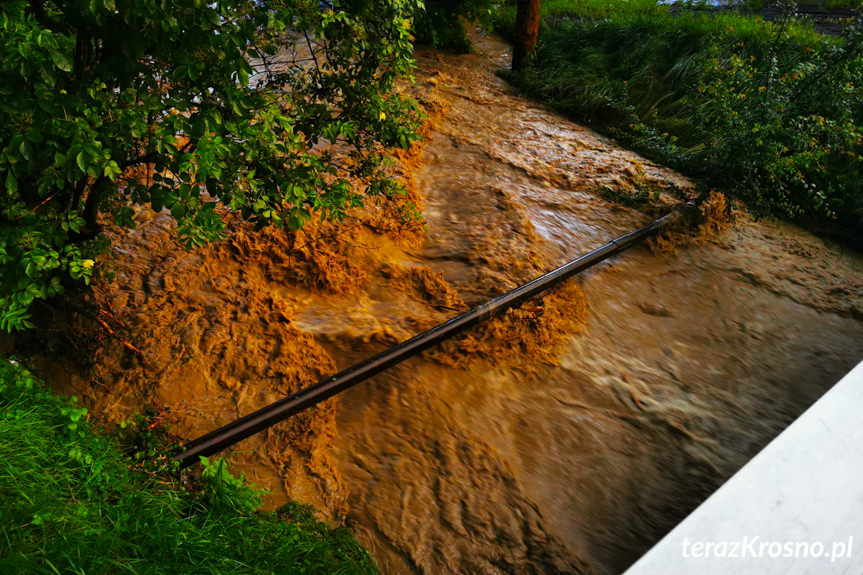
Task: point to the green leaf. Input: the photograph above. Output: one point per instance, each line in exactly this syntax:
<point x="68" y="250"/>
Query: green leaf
<point x="15" y="142"/>
<point x="112" y="170"/>
<point x="11" y="183"/>
<point x="178" y="210"/>
<point x="26" y="150"/>
<point x="62" y="60"/>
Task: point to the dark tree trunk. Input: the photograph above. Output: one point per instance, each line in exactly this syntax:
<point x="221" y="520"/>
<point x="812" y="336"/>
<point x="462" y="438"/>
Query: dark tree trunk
<point x="90" y="214"/>
<point x="526" y="31"/>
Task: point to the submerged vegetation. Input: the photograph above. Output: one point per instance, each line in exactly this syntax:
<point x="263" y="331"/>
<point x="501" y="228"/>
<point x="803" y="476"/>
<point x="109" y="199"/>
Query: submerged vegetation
<point x="770" y="111"/>
<point x="70" y="502"/>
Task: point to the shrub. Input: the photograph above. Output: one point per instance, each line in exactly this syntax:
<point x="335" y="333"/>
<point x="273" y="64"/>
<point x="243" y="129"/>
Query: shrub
<point x="788" y="132"/>
<point x="187" y="105"/>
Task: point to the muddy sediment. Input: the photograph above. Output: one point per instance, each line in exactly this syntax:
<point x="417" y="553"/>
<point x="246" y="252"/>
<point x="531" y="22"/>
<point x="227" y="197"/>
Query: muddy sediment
<point x="564" y="437"/>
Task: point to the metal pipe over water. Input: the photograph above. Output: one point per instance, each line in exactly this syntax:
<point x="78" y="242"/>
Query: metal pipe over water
<point x="242" y="428"/>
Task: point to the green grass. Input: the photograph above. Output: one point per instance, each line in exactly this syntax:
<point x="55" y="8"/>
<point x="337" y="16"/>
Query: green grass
<point x="70" y="502"/>
<point x="771" y="112"/>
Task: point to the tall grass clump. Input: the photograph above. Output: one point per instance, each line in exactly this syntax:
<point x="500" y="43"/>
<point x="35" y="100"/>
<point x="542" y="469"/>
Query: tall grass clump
<point x="770" y="111"/>
<point x="70" y="502"/>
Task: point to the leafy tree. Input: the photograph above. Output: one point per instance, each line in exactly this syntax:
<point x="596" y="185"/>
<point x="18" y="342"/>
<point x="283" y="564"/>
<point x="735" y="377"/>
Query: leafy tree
<point x="276" y="109"/>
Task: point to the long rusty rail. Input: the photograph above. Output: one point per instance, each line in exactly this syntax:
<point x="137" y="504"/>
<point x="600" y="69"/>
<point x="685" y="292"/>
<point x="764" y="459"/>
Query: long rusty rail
<point x="265" y="417"/>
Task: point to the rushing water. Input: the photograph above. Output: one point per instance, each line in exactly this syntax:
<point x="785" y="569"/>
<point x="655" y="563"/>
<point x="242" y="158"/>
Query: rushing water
<point x="565" y="461"/>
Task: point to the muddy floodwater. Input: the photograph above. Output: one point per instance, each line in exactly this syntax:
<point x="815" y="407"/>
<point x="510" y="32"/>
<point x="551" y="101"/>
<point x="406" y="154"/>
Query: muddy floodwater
<point x="566" y="437"/>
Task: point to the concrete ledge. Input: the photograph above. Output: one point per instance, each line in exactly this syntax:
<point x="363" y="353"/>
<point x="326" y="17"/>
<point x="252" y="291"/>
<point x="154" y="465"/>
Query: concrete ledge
<point x="795" y="508"/>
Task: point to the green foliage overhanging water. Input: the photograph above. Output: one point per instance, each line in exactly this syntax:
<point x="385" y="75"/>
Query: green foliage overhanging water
<point x="200" y="109"/>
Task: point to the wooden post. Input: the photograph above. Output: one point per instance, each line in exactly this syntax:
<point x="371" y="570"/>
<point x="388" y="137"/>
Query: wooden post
<point x="526" y="31"/>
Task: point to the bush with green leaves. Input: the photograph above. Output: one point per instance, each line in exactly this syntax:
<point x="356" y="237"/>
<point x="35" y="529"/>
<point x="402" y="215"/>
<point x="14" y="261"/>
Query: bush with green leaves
<point x="788" y="132"/>
<point x="71" y="502"/>
<point x="274" y="109"/>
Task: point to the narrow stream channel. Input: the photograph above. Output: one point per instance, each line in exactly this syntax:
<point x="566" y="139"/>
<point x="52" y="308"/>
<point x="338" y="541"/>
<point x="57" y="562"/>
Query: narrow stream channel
<point x="656" y="376"/>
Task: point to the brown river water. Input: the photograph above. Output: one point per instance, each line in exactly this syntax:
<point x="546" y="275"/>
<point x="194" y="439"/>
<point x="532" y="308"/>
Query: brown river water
<point x="565" y="437"/>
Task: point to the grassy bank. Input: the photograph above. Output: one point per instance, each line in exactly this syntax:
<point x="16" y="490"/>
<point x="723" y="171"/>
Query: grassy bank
<point x="70" y="502"/>
<point x="770" y="111"/>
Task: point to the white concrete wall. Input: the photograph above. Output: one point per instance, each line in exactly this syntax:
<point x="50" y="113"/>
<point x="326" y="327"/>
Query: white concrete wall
<point x="804" y="488"/>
